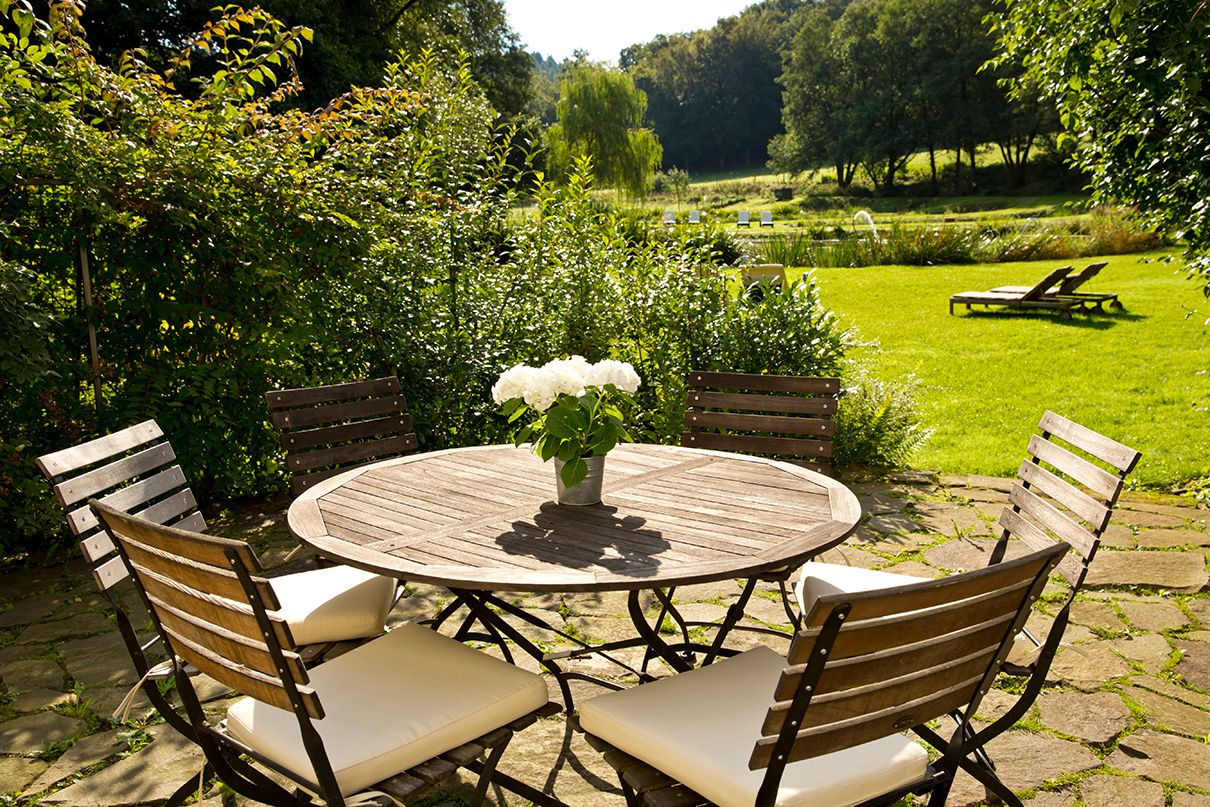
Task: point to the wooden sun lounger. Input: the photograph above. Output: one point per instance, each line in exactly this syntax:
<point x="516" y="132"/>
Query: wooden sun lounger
<point x="1033" y="297"/>
<point x="1068" y="288"/>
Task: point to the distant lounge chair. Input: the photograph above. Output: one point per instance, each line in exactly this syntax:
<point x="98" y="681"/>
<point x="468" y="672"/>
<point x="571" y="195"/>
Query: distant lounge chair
<point x="695" y="217"/>
<point x="766" y="218"/>
<point x="744" y="219"/>
<point x="1033" y="297"/>
<point x="1068" y="288"/>
<point x="669" y="218"/>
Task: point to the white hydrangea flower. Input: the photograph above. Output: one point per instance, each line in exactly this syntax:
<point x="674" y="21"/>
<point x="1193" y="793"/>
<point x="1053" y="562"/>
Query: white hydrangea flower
<point x="566" y="376"/>
<point x="512" y="383"/>
<point x="619" y="373"/>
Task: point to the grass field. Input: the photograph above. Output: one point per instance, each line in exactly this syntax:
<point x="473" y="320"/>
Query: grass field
<point x="1141" y="376"/>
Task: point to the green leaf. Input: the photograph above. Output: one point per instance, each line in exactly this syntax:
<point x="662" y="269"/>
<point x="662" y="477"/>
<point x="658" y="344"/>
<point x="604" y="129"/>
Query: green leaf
<point x="574" y="472"/>
<point x="562" y="422"/>
<point x="547" y="447"/>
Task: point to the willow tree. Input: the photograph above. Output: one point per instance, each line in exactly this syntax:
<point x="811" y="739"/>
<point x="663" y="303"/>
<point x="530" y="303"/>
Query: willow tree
<point x="600" y="116"/>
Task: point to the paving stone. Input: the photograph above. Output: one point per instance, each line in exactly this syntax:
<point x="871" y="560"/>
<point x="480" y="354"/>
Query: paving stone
<point x="603" y="628"/>
<point x="16" y="773"/>
<point x="1163" y="758"/>
<point x="1118" y="536"/>
<point x="1200" y="608"/>
<point x="61" y="629"/>
<point x="583" y="778"/>
<point x="105" y="700"/>
<point x="995" y="703"/>
<point x="709" y="591"/>
<point x="1150" y="650"/>
<point x="974" y="483"/>
<point x="893" y="543"/>
<point x="84" y="754"/>
<point x="28" y="735"/>
<point x="1025" y="760"/>
<point x="1094" y="614"/>
<point x="911" y="476"/>
<point x="1154" y="615"/>
<point x="22" y="652"/>
<point x="1086" y="666"/>
<point x="99" y="660"/>
<point x="151" y="775"/>
<point x="893" y="522"/>
<point x="1172" y="715"/>
<point x="27" y="610"/>
<point x="35" y="700"/>
<point x="1145" y="518"/>
<point x="1170" y="539"/>
<point x="950" y="519"/>
<point x="914" y="568"/>
<point x="850" y="556"/>
<point x="1199" y="635"/>
<point x="877" y="504"/>
<point x="704" y="611"/>
<point x="32" y="674"/>
<point x="1180" y="799"/>
<point x="1055" y="798"/>
<point x="1172" y="690"/>
<point x="1110" y="791"/>
<point x="1174" y="571"/>
<point x="966" y="554"/>
<point x="1194" y="666"/>
<point x="771" y="612"/>
<point x="1095" y="717"/>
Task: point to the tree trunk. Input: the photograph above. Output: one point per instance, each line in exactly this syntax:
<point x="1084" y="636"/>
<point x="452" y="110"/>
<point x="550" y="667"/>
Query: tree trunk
<point x="958" y="171"/>
<point x="933" y="168"/>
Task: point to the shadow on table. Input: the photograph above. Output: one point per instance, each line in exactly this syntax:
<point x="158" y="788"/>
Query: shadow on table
<point x="584" y="537"/>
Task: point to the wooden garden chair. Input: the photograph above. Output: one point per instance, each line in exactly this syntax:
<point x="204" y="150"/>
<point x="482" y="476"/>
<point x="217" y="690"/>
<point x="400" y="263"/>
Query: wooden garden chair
<point x="328" y="430"/>
<point x="822" y="726"/>
<point x="1033" y="297"/>
<point x="744" y="219"/>
<point x="136" y="470"/>
<point x="766" y="218"/>
<point x="788" y="418"/>
<point x="386" y="719"/>
<point x="695" y="217"/>
<point x="669" y="218"/>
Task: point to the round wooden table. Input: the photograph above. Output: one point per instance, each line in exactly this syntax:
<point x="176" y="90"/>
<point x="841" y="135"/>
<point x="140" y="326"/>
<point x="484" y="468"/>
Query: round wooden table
<point x="484" y="518"/>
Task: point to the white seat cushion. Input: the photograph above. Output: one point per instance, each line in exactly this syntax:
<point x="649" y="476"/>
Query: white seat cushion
<point x="818" y="579"/>
<point x="334" y="603"/>
<point x="700" y="727"/>
<point x="391" y="704"/>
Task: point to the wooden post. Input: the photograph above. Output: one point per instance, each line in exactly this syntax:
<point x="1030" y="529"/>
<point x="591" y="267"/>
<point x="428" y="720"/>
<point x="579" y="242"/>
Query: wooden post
<point x="94" y="359"/>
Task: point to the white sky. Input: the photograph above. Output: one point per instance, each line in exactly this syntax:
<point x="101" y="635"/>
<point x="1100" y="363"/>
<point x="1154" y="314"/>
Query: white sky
<point x="604" y="27"/>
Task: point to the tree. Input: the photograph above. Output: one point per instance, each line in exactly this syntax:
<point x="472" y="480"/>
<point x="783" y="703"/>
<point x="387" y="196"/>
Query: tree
<point x="600" y="115"/>
<point x="1131" y="82"/>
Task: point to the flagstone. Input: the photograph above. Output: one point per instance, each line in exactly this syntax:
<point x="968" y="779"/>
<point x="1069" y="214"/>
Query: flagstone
<point x="61" y="629"/>
<point x="1118" y="536"/>
<point x="30" y="734"/>
<point x="966" y="554"/>
<point x="1175" y="517"/>
<point x="35" y="700"/>
<point x="1163" y="758"/>
<point x="1172" y="538"/>
<point x="1151" y="650"/>
<point x="1095" y="717"/>
<point x="16" y="773"/>
<point x="1172" y="715"/>
<point x="1025" y="760"/>
<point x="1194" y="665"/>
<point x="893" y="522"/>
<point x="976" y="482"/>
<point x="1154" y="615"/>
<point x="99" y="660"/>
<point x="26" y="611"/>
<point x="1103" y="791"/>
<point x="1095" y="614"/>
<point x="32" y="674"/>
<point x="951" y="519"/>
<point x="1180" y="799"/>
<point x="1174" y="571"/>
<point x="151" y="775"/>
<point x="84" y="754"/>
<point x="1087" y="666"/>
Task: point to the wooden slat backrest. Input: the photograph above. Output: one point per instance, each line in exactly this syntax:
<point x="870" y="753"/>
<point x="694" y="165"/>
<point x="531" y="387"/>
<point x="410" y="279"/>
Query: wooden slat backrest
<point x="786" y="417"/>
<point x="1067" y="492"/>
<point x="209" y="617"/>
<point x="901" y="657"/>
<point x="326" y="430"/>
<point x="1074" y="281"/>
<point x="133" y="470"/>
<point x="1043" y="286"/>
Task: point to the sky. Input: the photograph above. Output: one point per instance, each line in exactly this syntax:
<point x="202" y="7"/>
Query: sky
<point x="604" y="27"/>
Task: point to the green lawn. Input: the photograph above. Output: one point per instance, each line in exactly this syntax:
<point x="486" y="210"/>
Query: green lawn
<point x="1141" y="376"/>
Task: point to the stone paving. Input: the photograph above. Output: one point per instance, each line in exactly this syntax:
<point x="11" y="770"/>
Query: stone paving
<point x="1125" y="719"/>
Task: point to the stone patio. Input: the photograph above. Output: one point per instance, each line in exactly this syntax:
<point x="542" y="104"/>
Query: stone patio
<point x="1124" y="721"/>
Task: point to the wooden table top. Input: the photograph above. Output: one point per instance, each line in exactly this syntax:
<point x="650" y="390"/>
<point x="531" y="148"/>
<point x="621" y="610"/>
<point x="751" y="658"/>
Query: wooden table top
<point x="485" y="518"/>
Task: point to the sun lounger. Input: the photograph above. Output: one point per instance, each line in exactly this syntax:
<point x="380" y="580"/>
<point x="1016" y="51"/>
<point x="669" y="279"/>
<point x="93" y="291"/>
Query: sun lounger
<point x="1033" y="297"/>
<point x="1068" y="288"/>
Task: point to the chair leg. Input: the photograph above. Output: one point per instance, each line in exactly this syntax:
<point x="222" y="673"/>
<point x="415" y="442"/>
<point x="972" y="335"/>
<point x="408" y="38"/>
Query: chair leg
<point x="192" y="785"/>
<point x="485" y="775"/>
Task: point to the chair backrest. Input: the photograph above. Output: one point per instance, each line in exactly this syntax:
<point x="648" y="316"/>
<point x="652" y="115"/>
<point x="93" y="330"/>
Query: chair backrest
<point x="870" y="664"/>
<point x="1077" y="279"/>
<point x="1066" y="493"/>
<point x="135" y="470"/>
<point x="669" y="217"/>
<point x="744" y="218"/>
<point x="695" y="217"/>
<point x="327" y="430"/>
<point x="787" y="417"/>
<point x="1043" y="285"/>
<point x="766" y="217"/>
<point x="214" y="611"/>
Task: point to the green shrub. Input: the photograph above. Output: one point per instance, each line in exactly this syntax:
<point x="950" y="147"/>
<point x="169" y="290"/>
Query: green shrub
<point x="877" y="422"/>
